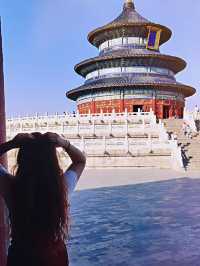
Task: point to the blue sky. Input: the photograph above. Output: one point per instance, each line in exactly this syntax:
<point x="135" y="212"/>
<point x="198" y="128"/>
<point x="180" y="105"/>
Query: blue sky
<point x="44" y="39"/>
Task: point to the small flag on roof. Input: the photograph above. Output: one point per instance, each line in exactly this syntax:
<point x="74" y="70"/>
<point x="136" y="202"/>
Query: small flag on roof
<point x="153" y="41"/>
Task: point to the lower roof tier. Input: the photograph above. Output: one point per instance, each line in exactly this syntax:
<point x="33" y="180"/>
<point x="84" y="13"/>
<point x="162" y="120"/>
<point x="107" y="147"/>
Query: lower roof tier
<point x="113" y="95"/>
<point x="130" y="82"/>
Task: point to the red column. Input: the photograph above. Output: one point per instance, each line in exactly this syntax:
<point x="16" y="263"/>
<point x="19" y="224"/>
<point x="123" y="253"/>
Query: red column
<point x="121" y="106"/>
<point x="171" y="109"/>
<point x="154" y="105"/>
<point x="93" y="109"/>
<point x="3" y="160"/>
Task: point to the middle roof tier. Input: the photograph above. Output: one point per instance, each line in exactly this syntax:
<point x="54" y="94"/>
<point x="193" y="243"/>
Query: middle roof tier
<point x="129" y="58"/>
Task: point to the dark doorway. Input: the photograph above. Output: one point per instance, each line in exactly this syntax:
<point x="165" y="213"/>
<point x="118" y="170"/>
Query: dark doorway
<point x="166" y="111"/>
<point x="182" y="113"/>
<point x="137" y="107"/>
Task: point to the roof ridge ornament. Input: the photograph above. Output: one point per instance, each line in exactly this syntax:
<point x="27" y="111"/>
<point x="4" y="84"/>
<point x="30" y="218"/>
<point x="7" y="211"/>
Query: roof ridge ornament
<point x="129" y="4"/>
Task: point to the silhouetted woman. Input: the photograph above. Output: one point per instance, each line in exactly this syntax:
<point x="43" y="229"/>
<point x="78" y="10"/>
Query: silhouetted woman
<point x="37" y="197"/>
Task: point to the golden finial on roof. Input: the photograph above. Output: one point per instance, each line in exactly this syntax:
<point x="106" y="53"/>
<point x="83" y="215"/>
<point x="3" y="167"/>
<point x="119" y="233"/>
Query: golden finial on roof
<point x="129" y="4"/>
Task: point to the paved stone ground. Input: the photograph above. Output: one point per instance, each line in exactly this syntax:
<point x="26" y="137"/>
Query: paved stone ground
<point x="98" y="178"/>
<point x="138" y="224"/>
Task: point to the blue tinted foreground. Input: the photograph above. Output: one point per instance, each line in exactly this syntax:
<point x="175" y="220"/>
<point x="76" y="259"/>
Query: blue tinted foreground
<point x="149" y="224"/>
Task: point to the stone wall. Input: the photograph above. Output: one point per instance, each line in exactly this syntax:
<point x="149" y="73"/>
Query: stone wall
<point x="154" y="160"/>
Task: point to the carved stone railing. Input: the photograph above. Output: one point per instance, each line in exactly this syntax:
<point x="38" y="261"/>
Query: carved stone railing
<point x="112" y="124"/>
<point x="126" y="134"/>
<point x="123" y="145"/>
<point x="92" y="130"/>
<point x="73" y="118"/>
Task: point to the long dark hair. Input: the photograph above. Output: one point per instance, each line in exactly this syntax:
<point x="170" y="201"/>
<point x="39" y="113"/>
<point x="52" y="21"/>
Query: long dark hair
<point x="40" y="194"/>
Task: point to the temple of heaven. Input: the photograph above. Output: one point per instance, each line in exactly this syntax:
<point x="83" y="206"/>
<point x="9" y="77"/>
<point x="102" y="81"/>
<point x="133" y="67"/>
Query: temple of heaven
<point x="130" y="73"/>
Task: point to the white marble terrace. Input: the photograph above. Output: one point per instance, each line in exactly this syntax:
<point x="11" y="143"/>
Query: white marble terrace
<point x="111" y="134"/>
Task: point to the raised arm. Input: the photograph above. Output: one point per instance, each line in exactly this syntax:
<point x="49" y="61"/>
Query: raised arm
<point x="16" y="142"/>
<point x="5" y="147"/>
<point x="77" y="157"/>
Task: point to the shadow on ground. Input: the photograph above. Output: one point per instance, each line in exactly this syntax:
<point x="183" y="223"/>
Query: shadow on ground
<point x="149" y="224"/>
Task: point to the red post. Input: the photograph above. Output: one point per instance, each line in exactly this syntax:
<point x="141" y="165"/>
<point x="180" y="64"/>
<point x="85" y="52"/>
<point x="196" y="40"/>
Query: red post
<point x="93" y="107"/>
<point x="2" y="160"/>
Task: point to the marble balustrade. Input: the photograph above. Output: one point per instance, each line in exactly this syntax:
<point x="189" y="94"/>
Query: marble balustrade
<point x="108" y="135"/>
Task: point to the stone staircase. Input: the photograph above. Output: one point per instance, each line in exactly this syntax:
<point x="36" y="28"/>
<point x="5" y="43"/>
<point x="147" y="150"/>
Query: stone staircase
<point x="190" y="147"/>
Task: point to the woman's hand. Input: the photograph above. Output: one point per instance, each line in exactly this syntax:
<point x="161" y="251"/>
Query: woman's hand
<point x="21" y="139"/>
<point x="57" y="140"/>
<point x="15" y="143"/>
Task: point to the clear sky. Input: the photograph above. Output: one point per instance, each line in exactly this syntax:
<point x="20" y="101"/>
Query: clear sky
<point x="44" y="39"/>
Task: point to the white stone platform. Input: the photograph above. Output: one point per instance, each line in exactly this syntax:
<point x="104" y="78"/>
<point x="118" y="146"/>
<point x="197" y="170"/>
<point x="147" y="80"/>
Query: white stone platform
<point x="108" y="140"/>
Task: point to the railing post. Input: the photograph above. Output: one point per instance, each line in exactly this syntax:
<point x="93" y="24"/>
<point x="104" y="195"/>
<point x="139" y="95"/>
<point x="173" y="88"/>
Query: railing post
<point x="90" y="116"/>
<point x="150" y="143"/>
<point x="63" y="127"/>
<point x="77" y="114"/>
<point x="153" y="116"/>
<point x="82" y="144"/>
<point x="36" y="121"/>
<point x="113" y="115"/>
<point x="20" y="125"/>
<point x="143" y="124"/>
<point x="126" y="144"/>
<point x="126" y="125"/>
<point x="93" y="129"/>
<point x="104" y="145"/>
<point x="110" y="128"/>
<point x="101" y="116"/>
<point x="78" y="129"/>
<point x="56" y="118"/>
<point x="126" y="112"/>
<point x="47" y="119"/>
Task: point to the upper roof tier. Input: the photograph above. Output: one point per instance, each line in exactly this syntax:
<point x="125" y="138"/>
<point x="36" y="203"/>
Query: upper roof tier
<point x="129" y="23"/>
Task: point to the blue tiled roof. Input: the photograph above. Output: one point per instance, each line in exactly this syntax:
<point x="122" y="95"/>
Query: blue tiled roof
<point x="133" y="79"/>
<point x="129" y="15"/>
<point x="130" y="57"/>
<point x="128" y="23"/>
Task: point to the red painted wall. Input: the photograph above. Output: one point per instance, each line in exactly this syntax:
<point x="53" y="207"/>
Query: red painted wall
<point x="160" y="107"/>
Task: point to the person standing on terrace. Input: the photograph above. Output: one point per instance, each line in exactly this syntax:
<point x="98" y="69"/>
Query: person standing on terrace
<point x="37" y="197"/>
